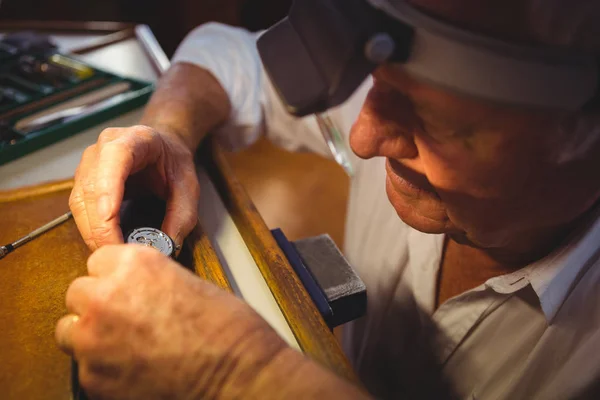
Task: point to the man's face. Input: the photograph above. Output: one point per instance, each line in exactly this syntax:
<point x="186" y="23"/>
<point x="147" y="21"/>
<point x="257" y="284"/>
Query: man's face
<point x="481" y="172"/>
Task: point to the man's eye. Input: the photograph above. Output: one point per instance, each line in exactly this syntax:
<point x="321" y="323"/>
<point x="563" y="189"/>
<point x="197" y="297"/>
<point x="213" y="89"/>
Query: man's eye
<point x="439" y="130"/>
<point x="436" y="129"/>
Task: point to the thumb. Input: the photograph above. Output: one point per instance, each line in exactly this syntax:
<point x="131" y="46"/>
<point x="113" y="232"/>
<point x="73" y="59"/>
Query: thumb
<point x="181" y="214"/>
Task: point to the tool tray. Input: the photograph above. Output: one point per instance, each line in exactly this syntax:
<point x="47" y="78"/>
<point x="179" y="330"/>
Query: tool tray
<point x="24" y="93"/>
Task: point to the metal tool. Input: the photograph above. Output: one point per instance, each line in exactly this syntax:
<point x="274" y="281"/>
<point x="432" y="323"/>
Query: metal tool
<point x="40" y="71"/>
<point x="78" y="69"/>
<point x="76" y="108"/>
<point x="13" y="94"/>
<point x="9" y="248"/>
<point x="76" y="113"/>
<point x="7" y="135"/>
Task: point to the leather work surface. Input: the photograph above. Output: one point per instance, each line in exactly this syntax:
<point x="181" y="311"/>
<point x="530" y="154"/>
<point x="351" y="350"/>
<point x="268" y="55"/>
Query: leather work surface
<point x="33" y="282"/>
<point x="35" y="277"/>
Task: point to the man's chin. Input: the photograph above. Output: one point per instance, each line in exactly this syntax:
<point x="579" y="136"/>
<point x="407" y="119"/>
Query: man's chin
<point x="426" y="215"/>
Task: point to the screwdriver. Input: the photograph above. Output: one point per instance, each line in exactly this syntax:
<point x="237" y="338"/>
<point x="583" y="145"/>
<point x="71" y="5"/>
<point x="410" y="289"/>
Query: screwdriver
<point x="9" y="248"/>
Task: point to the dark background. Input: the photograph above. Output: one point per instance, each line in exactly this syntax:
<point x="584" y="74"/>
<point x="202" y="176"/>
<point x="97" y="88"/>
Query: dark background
<point x="170" y="20"/>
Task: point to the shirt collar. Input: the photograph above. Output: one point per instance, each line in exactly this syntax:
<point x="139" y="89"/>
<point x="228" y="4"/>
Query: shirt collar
<point x="553" y="277"/>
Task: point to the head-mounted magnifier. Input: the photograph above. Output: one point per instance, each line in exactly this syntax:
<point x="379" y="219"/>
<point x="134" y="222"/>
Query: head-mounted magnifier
<point x="319" y="55"/>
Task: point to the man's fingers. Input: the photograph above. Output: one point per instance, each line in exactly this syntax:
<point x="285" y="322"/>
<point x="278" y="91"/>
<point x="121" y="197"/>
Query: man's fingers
<point x="77" y="199"/>
<point x="181" y="214"/>
<point x="118" y="159"/>
<point x="101" y="233"/>
<point x="64" y="332"/>
<point x="98" y="233"/>
<point x="104" y="183"/>
<point x="77" y="206"/>
<point x="104" y="261"/>
<point x="107" y="166"/>
<point x="79" y="294"/>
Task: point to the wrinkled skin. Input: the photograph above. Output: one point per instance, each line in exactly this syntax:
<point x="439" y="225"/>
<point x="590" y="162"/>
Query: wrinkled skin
<point x="479" y="172"/>
<point x="132" y="160"/>
<point x="485" y="174"/>
<point x="149" y="329"/>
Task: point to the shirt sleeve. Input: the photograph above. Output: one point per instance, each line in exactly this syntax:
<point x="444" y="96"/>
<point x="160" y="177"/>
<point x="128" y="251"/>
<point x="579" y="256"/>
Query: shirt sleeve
<point x="230" y="54"/>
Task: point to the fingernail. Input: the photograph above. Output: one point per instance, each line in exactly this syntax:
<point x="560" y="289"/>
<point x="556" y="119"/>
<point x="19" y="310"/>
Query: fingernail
<point x="104" y="207"/>
<point x="177" y="240"/>
<point x="64" y="333"/>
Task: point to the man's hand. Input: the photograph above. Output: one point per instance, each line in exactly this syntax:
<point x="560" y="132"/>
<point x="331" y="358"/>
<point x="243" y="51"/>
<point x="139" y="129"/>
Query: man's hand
<point x="142" y="327"/>
<point x="158" y="157"/>
<point x="136" y="157"/>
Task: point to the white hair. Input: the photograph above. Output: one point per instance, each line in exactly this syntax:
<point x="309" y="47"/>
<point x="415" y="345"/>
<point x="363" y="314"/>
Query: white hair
<point x="572" y="23"/>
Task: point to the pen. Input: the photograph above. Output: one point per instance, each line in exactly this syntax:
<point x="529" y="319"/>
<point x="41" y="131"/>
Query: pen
<point x="9" y="248"/>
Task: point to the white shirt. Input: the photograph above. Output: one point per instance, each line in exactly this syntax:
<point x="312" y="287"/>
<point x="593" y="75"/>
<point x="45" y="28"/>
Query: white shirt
<point x="532" y="334"/>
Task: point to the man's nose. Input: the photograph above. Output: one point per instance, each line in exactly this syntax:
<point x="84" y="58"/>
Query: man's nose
<point x="380" y="132"/>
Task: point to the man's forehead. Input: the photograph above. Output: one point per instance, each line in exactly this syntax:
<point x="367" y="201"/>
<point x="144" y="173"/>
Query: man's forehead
<point x="503" y="19"/>
<point x="447" y="107"/>
<point x="571" y="23"/>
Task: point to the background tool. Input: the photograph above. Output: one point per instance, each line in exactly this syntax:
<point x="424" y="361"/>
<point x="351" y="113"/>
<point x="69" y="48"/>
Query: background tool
<point x="72" y="108"/>
<point x="7" y="51"/>
<point x="52" y="99"/>
<point x="7" y="135"/>
<point x="26" y="86"/>
<point x="40" y="71"/>
<point x="13" y="94"/>
<point x="76" y="113"/>
<point x="27" y="42"/>
<point x="77" y="69"/>
<point x="37" y="81"/>
<point x="9" y="248"/>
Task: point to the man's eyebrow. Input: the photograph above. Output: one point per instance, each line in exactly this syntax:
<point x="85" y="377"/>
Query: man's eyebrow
<point x="426" y="109"/>
<point x="443" y="117"/>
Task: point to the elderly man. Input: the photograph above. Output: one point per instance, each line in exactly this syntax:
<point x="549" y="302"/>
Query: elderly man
<point x="482" y="262"/>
